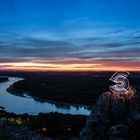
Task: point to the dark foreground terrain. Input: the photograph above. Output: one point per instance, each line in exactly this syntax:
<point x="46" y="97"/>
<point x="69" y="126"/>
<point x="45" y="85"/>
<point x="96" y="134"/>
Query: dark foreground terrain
<point x="54" y="125"/>
<point x="114" y="117"/>
<point x="12" y="131"/>
<point x="77" y="88"/>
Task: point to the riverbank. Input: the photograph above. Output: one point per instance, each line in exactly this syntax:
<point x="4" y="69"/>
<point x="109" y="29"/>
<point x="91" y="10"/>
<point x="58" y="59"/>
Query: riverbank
<point x="79" y="90"/>
<point x="25" y="103"/>
<point x="25" y="94"/>
<point x="15" y="92"/>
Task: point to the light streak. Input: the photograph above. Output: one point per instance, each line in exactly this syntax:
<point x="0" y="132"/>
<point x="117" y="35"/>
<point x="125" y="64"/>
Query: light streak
<point x="122" y="83"/>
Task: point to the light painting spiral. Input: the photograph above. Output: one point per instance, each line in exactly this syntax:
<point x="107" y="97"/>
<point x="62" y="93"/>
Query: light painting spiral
<point x="122" y="83"/>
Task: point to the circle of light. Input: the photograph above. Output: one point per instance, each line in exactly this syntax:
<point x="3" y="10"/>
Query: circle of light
<point x="122" y="83"/>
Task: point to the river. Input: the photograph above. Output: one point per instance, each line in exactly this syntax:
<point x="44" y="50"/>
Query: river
<point x="27" y="104"/>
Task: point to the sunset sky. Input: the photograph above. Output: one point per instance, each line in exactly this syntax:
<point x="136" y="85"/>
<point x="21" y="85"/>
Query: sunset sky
<point x="70" y="35"/>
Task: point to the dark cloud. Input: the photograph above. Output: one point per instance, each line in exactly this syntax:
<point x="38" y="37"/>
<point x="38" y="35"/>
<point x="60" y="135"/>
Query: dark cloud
<point x="29" y="47"/>
<point x="22" y="49"/>
<point x="113" y="45"/>
<point x="137" y="37"/>
<point x="12" y="60"/>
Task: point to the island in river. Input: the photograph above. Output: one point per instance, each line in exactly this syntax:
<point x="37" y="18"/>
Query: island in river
<point x="79" y="88"/>
<point x="73" y="89"/>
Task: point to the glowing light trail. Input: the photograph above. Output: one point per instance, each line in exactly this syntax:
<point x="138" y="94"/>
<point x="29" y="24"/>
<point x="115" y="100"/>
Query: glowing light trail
<point x="122" y="83"/>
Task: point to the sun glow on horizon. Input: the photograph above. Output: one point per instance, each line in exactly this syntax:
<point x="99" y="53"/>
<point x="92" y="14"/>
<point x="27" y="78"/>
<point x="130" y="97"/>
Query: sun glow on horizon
<point x="64" y="67"/>
<point x="49" y="35"/>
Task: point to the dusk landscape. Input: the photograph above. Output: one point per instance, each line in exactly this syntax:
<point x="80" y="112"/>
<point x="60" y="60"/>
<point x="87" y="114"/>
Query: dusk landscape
<point x="69" y="69"/>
